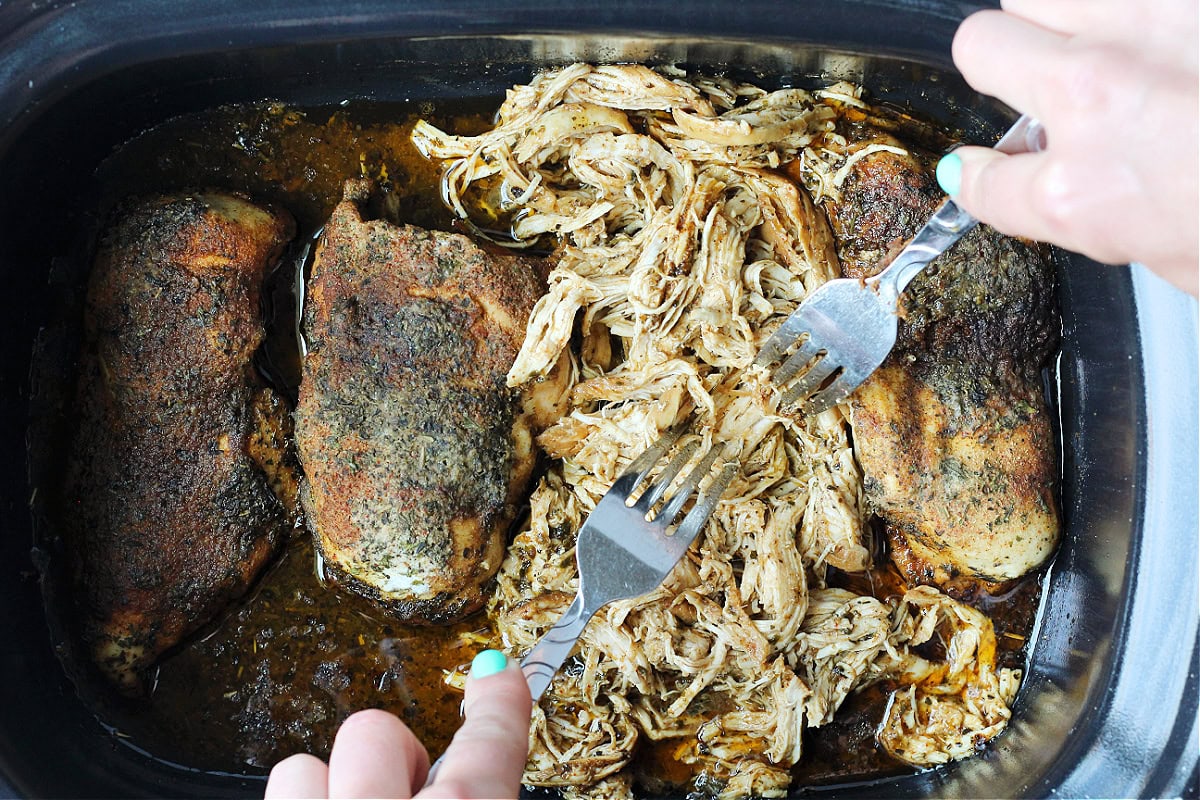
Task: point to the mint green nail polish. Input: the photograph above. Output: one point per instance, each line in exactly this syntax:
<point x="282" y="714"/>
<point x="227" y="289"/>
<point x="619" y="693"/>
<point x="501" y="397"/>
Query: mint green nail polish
<point x="949" y="174"/>
<point x="489" y="662"/>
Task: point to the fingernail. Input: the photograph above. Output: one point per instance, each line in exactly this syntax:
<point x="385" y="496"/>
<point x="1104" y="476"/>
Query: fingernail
<point x="489" y="662"/>
<point x="949" y="173"/>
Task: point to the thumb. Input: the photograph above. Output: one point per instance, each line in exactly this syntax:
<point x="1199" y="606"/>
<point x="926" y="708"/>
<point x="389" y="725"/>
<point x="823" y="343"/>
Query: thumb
<point x="487" y="756"/>
<point x="1019" y="195"/>
<point x="1069" y="202"/>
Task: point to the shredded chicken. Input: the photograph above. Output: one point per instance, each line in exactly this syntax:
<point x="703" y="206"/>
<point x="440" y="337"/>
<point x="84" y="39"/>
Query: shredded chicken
<point x="679" y="249"/>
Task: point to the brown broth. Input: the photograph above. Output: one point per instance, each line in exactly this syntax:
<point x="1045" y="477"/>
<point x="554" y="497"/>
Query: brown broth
<point x="280" y="671"/>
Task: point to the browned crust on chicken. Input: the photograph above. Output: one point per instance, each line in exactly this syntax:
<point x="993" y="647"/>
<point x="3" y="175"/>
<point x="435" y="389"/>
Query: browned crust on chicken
<point x="169" y="515"/>
<point x="953" y="432"/>
<point x="980" y="501"/>
<point x="415" y="452"/>
<point x="885" y="199"/>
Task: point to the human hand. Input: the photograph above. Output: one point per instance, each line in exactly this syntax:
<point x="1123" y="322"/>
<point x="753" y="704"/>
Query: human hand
<point x="376" y="755"/>
<point x="1114" y="82"/>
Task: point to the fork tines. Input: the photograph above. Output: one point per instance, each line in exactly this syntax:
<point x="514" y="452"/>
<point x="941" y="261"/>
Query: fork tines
<point x="777" y="346"/>
<point x="810" y="360"/>
<point x="622" y="551"/>
<point x="822" y="382"/>
<point x="638" y="471"/>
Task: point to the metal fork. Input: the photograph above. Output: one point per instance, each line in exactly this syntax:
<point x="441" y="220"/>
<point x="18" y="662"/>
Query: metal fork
<point x="626" y="548"/>
<point x="847" y="327"/>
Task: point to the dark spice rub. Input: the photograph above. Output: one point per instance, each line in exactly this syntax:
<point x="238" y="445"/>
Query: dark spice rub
<point x="415" y="452"/>
<point x="168" y="501"/>
<point x="952" y="432"/>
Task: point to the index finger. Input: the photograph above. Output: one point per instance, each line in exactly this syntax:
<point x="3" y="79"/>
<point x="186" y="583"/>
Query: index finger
<point x="375" y="755"/>
<point x="1163" y="27"/>
<point x="1074" y="16"/>
<point x="486" y="758"/>
<point x="1008" y="58"/>
<point x="296" y="777"/>
<point x="1068" y="84"/>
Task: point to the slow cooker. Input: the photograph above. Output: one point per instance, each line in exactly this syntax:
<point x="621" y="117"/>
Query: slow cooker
<point x="1109" y="702"/>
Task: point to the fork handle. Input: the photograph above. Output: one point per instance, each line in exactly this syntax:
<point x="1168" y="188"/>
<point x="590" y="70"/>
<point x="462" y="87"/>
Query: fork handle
<point x="542" y="663"/>
<point x="950" y="223"/>
<point x="947" y="225"/>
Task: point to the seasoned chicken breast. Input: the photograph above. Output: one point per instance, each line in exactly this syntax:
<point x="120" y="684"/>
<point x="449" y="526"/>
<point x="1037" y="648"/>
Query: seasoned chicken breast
<point x="415" y="452"/>
<point x="169" y="507"/>
<point x="953" y="432"/>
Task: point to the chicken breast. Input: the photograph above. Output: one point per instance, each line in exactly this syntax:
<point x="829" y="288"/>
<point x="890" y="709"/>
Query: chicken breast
<point x="953" y="432"/>
<point x="415" y="452"/>
<point x="169" y="506"/>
